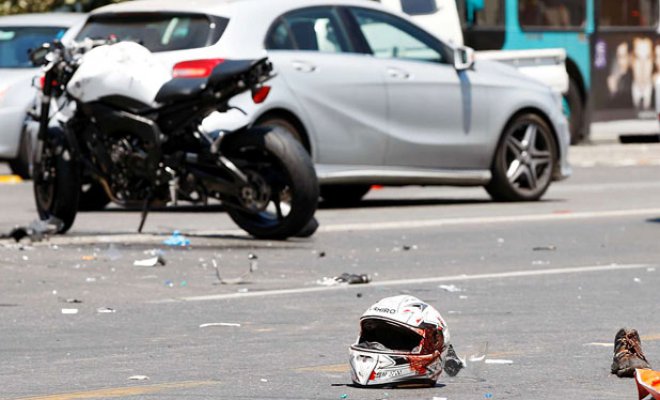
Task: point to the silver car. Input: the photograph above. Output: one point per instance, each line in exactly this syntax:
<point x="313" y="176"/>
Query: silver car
<point x="373" y="97"/>
<point x="19" y="34"/>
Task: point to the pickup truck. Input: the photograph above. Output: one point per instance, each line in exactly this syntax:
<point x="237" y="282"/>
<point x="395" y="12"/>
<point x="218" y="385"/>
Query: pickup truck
<point x="442" y="20"/>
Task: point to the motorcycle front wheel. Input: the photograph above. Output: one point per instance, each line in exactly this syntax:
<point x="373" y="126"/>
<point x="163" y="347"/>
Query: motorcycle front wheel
<point x="56" y="181"/>
<point x="282" y="193"/>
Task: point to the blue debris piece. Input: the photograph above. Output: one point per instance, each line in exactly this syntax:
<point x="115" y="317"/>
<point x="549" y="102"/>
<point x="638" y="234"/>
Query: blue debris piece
<point x="177" y="239"/>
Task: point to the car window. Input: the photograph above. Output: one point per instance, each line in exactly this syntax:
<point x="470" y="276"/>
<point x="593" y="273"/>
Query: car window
<point x="16" y="43"/>
<point x="311" y="29"/>
<point x="389" y="36"/>
<point x="419" y="7"/>
<point x="157" y="32"/>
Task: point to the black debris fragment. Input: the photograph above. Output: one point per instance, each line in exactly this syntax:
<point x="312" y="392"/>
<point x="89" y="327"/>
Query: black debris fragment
<point x="453" y="364"/>
<point x="37" y="230"/>
<point x="545" y="248"/>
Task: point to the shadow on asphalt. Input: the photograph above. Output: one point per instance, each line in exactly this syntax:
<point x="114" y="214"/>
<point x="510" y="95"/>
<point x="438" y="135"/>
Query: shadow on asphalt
<point x="406" y="387"/>
<point x="375" y="203"/>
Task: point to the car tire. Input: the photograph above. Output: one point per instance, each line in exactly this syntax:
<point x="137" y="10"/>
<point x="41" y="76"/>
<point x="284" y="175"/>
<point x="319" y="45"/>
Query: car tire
<point x="22" y="164"/>
<point x="524" y="160"/>
<point x="575" y="106"/>
<point x="343" y="195"/>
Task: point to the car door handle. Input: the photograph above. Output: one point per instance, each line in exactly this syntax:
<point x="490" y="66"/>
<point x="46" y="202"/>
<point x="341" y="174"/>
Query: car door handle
<point x="302" y="66"/>
<point x="397" y="73"/>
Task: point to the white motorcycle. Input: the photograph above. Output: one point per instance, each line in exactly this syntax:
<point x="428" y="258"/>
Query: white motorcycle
<point x="115" y="122"/>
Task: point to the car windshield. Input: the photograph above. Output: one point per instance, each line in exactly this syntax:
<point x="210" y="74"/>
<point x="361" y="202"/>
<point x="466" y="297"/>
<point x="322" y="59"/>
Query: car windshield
<point x="156" y="31"/>
<point x="16" y="43"/>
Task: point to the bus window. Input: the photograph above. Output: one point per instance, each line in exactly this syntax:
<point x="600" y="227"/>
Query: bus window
<point x="491" y="15"/>
<point x="630" y="13"/>
<point x="485" y="13"/>
<point x="552" y="14"/>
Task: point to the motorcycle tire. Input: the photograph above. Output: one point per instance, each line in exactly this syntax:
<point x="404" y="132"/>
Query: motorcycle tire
<point x="56" y="181"/>
<point x="282" y="196"/>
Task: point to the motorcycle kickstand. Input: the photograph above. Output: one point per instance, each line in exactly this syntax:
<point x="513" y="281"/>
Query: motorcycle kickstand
<point x="145" y="212"/>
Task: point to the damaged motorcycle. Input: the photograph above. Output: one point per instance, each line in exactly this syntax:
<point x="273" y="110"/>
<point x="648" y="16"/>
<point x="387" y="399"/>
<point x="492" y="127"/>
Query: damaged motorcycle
<point x="115" y="122"/>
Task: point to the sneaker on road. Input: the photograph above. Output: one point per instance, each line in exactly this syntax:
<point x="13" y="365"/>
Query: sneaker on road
<point x="628" y="354"/>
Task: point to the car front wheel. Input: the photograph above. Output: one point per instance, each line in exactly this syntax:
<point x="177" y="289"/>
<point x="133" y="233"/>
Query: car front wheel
<point x="524" y="160"/>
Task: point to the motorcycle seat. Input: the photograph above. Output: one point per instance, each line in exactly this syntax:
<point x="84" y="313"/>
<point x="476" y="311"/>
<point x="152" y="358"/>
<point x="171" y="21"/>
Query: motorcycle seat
<point x="180" y="89"/>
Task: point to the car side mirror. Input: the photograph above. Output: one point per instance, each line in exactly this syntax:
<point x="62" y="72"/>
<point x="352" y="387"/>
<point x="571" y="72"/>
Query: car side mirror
<point x="463" y="58"/>
<point x="38" y="56"/>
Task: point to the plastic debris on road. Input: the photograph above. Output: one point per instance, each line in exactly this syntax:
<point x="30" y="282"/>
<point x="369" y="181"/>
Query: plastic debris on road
<point x="545" y="248"/>
<point x="106" y="310"/>
<point x="112" y="253"/>
<point x="240" y="279"/>
<point x="345" y="279"/>
<point x="450" y="288"/>
<point x="177" y="240"/>
<point x="212" y="324"/>
<point x="498" y="361"/>
<point x="648" y="383"/>
<point x="150" y="262"/>
<point x="138" y="378"/>
<point x="72" y="301"/>
<point x="37" y="230"/>
<point x="69" y="311"/>
<point x="452" y="362"/>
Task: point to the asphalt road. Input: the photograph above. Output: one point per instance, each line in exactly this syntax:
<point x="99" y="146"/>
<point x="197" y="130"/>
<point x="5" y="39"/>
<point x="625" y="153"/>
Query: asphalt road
<point x="546" y="285"/>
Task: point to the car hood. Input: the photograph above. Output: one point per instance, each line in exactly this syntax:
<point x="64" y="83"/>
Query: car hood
<point x="12" y="76"/>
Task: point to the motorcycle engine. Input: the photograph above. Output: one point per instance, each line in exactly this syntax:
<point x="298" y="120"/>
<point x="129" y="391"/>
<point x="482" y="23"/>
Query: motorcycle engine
<point x="127" y="168"/>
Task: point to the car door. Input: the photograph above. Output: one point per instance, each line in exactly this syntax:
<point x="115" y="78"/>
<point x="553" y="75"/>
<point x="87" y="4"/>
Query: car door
<point x="335" y="86"/>
<point x="431" y="107"/>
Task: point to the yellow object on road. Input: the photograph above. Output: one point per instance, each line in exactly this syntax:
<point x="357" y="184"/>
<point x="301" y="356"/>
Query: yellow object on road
<point x="10" y="179"/>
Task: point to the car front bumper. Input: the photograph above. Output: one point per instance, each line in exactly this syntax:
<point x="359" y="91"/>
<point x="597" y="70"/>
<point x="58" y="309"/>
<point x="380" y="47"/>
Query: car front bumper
<point x="11" y="124"/>
<point x="564" y="169"/>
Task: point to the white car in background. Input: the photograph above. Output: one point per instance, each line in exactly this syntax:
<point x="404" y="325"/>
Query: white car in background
<point x="19" y="34"/>
<point x="373" y="97"/>
<point x="657" y="94"/>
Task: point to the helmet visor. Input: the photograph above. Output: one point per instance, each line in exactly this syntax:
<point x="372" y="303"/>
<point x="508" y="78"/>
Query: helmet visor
<point x="386" y="336"/>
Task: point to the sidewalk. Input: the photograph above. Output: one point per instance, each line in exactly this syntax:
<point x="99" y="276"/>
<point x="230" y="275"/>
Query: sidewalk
<point x="605" y="148"/>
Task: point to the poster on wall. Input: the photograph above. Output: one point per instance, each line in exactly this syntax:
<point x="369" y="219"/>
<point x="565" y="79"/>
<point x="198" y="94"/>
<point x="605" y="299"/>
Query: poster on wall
<point x="625" y="69"/>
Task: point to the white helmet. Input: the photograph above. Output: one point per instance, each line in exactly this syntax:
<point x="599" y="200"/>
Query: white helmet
<point x="402" y="340"/>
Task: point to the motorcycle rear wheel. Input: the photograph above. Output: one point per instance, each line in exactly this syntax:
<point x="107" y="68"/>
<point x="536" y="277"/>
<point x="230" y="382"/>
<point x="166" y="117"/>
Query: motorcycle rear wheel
<point x="56" y="182"/>
<point x="282" y="195"/>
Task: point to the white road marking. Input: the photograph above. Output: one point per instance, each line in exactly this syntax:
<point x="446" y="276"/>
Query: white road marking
<point x="417" y="281"/>
<point x="599" y="344"/>
<point x="488" y="220"/>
